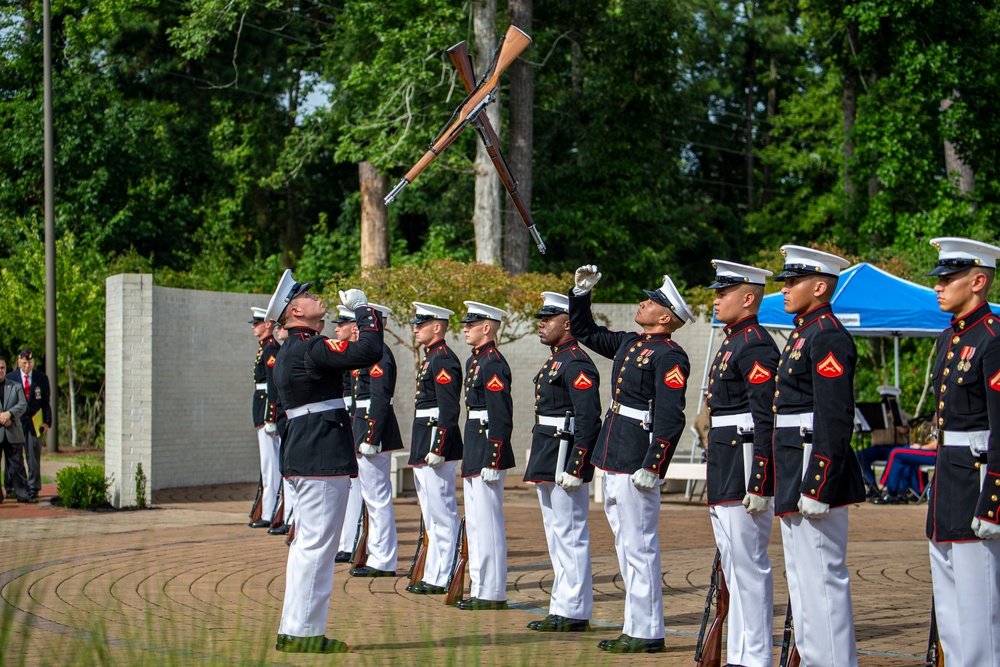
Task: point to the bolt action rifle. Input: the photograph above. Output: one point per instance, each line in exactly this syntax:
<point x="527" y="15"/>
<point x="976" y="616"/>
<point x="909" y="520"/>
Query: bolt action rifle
<point x="708" y="652"/>
<point x="935" y="656"/>
<point x="463" y="63"/>
<point x="360" y="552"/>
<point x="456" y="580"/>
<point x="511" y="45"/>
<point x="789" y="653"/>
<point x="256" y="510"/>
<point x="416" y="574"/>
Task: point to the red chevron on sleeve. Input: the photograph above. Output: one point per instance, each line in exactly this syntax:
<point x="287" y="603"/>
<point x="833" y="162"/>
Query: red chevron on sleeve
<point x="443" y="377"/>
<point x="674" y="377"/>
<point x="495" y="384"/>
<point x="583" y="382"/>
<point x="830" y="367"/>
<point x="758" y="374"/>
<point x="376" y="371"/>
<point x="995" y="381"/>
<point x="270" y="361"/>
<point x="336" y="345"/>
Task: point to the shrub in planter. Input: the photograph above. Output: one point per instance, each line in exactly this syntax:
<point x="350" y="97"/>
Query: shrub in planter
<point x="83" y="486"/>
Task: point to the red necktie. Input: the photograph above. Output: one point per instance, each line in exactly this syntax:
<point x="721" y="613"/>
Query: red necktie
<point x="27" y="388"/>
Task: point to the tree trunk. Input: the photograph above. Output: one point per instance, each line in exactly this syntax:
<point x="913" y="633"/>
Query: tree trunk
<point x="72" y="401"/>
<point x="748" y="121"/>
<point x="849" y="107"/>
<point x="374" y="216"/>
<point x="772" y="111"/>
<point x="517" y="244"/>
<point x="486" y="220"/>
<point x="960" y="174"/>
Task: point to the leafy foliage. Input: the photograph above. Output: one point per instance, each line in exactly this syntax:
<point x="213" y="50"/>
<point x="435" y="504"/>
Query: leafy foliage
<point x="83" y="487"/>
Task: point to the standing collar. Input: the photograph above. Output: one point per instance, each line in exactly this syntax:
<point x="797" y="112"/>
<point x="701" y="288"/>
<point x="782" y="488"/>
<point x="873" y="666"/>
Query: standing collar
<point x="963" y="322"/>
<point x="741" y="326"/>
<point x="433" y="346"/>
<point x="485" y="347"/>
<point x="812" y="315"/>
<point x="565" y="345"/>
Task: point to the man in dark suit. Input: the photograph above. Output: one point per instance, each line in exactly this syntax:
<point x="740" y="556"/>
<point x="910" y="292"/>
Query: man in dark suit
<point x="36" y="393"/>
<point x="12" y="406"/>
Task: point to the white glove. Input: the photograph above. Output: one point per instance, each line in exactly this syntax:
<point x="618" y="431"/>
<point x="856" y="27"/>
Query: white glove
<point x="586" y="277"/>
<point x="353" y="298"/>
<point x="985" y="530"/>
<point x="645" y="480"/>
<point x="569" y="482"/>
<point x="368" y="450"/>
<point x="490" y="475"/>
<point x="813" y="509"/>
<point x="433" y="460"/>
<point x="270" y="427"/>
<point x="756" y="504"/>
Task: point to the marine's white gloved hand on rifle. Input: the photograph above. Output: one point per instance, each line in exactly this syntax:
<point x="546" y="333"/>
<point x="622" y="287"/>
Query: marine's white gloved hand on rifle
<point x="353" y="298"/>
<point x="586" y="277"/>
<point x="985" y="530"/>
<point x="490" y="475"/>
<point x="368" y="450"/>
<point x="270" y="428"/>
<point x="645" y="480"/>
<point x="756" y="504"/>
<point x="813" y="509"/>
<point x="569" y="482"/>
<point x="433" y="460"/>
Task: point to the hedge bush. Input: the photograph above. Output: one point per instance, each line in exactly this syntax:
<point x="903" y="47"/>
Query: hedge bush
<point x="83" y="486"/>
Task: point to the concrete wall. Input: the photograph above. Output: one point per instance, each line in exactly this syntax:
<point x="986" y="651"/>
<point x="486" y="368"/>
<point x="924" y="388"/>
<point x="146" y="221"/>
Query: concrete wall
<point x="179" y="383"/>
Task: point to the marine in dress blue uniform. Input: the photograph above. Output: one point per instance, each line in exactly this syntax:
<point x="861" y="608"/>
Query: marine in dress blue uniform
<point x="376" y="434"/>
<point x="567" y="388"/>
<point x="965" y="504"/>
<point x="318" y="454"/>
<point x="488" y="454"/>
<point x="817" y="474"/>
<point x="635" y="445"/>
<point x="267" y="437"/>
<point x="740" y="475"/>
<point x="436" y="443"/>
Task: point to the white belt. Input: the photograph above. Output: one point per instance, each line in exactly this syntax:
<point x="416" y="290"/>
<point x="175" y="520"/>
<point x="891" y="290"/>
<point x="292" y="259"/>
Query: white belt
<point x="260" y="386"/>
<point x="803" y="421"/>
<point x="742" y="422"/>
<point x="641" y="416"/>
<point x="313" y="408"/>
<point x="481" y="415"/>
<point x="558" y="422"/>
<point x="976" y="441"/>
<point x="427" y="413"/>
<point x="365" y="403"/>
<point x="348" y="400"/>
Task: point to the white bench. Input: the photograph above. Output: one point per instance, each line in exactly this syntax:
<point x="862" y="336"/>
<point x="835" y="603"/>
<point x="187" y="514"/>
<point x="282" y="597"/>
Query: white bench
<point x="401" y="474"/>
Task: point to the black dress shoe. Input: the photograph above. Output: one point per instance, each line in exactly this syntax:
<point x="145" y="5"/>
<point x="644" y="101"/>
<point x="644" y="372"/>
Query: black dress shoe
<point x="889" y="498"/>
<point x="555" y="623"/>
<point x="342" y="557"/>
<point x="262" y="523"/>
<point x="365" y="571"/>
<point x="423" y="588"/>
<point x="280" y="530"/>
<point x="289" y="644"/>
<point x="475" y="604"/>
<point x="31" y="500"/>
<point x="626" y="644"/>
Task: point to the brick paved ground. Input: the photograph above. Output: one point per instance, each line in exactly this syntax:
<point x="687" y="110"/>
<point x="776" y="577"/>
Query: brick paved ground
<point x="188" y="584"/>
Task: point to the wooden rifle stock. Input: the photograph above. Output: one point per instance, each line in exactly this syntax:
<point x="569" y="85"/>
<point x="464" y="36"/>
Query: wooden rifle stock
<point x="420" y="557"/>
<point x="463" y="63"/>
<point x="456" y="580"/>
<point x="360" y="553"/>
<point x="512" y="44"/>
<point x="278" y="518"/>
<point x="709" y="651"/>
<point x="256" y="511"/>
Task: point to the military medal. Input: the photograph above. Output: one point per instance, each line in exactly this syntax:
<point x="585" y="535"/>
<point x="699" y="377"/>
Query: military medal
<point x="967" y="353"/>
<point x="725" y="361"/>
<point x="796" y="352"/>
<point x="645" y="356"/>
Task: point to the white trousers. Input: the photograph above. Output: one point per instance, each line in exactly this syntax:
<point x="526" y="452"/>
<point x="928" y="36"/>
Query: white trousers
<point x="564" y="517"/>
<point x="436" y="493"/>
<point x="270" y="472"/>
<point x="309" y="573"/>
<point x="634" y="517"/>
<point x="819" y="586"/>
<point x="743" y="541"/>
<point x="288" y="491"/>
<point x="352" y="514"/>
<point x="376" y="491"/>
<point x="966" y="579"/>
<point x="487" y="537"/>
